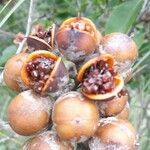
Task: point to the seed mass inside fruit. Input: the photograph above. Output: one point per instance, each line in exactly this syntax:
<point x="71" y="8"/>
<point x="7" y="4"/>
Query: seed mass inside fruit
<point x="82" y="26"/>
<point x="39" y="71"/>
<point x="99" y="78"/>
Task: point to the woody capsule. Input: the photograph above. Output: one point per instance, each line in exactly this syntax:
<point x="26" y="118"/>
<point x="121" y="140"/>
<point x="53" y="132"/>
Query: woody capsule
<point x="44" y="72"/>
<point x="99" y="79"/>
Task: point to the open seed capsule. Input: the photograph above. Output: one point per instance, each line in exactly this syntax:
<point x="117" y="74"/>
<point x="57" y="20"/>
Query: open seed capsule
<point x="77" y="37"/>
<point x="41" y="39"/>
<point x="44" y="72"/>
<point x="98" y="78"/>
<point x="35" y="43"/>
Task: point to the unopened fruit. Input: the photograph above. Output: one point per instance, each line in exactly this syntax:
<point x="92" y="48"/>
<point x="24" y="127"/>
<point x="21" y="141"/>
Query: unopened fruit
<point x="46" y="141"/>
<point x="124" y="114"/>
<point x="12" y="72"/>
<point x="115" y="134"/>
<point x="77" y="37"/>
<point x="114" y="105"/>
<point x="98" y="78"/>
<point x="29" y="113"/>
<point x="75" y="117"/>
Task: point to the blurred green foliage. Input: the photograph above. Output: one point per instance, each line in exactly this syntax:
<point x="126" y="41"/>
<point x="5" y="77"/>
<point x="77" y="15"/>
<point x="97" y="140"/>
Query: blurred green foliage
<point x="109" y="16"/>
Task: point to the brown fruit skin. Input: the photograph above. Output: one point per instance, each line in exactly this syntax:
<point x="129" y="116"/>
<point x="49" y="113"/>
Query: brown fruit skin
<point x="46" y="141"/>
<point x="12" y="72"/>
<point x="122" y="47"/>
<point x="71" y="39"/>
<point x="29" y="113"/>
<point x="37" y="43"/>
<point x="113" y="106"/>
<point x="75" y="117"/>
<point x="121" y="133"/>
<point x="124" y="114"/>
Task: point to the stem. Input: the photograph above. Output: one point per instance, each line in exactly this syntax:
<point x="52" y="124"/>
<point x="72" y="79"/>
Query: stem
<point x="141" y="60"/>
<point x="28" y="28"/>
<point x="5" y="6"/>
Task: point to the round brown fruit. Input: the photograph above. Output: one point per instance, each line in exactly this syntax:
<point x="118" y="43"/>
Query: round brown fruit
<point x="122" y="47"/>
<point x="12" y="72"/>
<point x="29" y="113"/>
<point x="115" y="134"/>
<point x="114" y="105"/>
<point x="77" y="37"/>
<point x="124" y="114"/>
<point x="75" y="117"/>
<point x="46" y="141"/>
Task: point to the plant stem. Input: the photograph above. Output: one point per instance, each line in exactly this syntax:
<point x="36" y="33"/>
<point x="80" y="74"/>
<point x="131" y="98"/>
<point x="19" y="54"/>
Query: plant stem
<point x="29" y="24"/>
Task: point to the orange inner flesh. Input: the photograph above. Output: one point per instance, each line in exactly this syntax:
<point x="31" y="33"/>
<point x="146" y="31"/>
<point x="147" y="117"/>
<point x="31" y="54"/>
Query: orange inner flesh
<point x="99" y="78"/>
<point x="39" y="70"/>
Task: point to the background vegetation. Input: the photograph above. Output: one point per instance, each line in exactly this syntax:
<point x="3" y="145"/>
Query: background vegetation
<point x="129" y="16"/>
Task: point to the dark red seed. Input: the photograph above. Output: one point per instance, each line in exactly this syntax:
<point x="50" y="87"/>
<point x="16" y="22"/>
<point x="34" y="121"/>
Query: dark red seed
<point x="39" y="70"/>
<point x="99" y="78"/>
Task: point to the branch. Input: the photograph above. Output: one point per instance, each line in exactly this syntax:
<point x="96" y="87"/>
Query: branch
<point x="29" y="24"/>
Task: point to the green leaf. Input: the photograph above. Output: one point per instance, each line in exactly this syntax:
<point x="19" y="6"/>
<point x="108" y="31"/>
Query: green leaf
<point x="145" y="48"/>
<point x="139" y="38"/>
<point x="11" y="12"/>
<point x="123" y="16"/>
<point x="7" y="53"/>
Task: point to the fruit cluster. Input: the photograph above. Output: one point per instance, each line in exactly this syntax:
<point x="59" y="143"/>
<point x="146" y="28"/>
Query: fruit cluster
<point x="72" y="88"/>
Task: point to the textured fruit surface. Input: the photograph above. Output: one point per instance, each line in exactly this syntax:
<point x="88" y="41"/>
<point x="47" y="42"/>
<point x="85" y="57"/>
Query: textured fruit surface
<point x="113" y="106"/>
<point x="120" y="45"/>
<point x="46" y="141"/>
<point x="117" y="133"/>
<point x="75" y="117"/>
<point x="12" y="71"/>
<point x="29" y="113"/>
